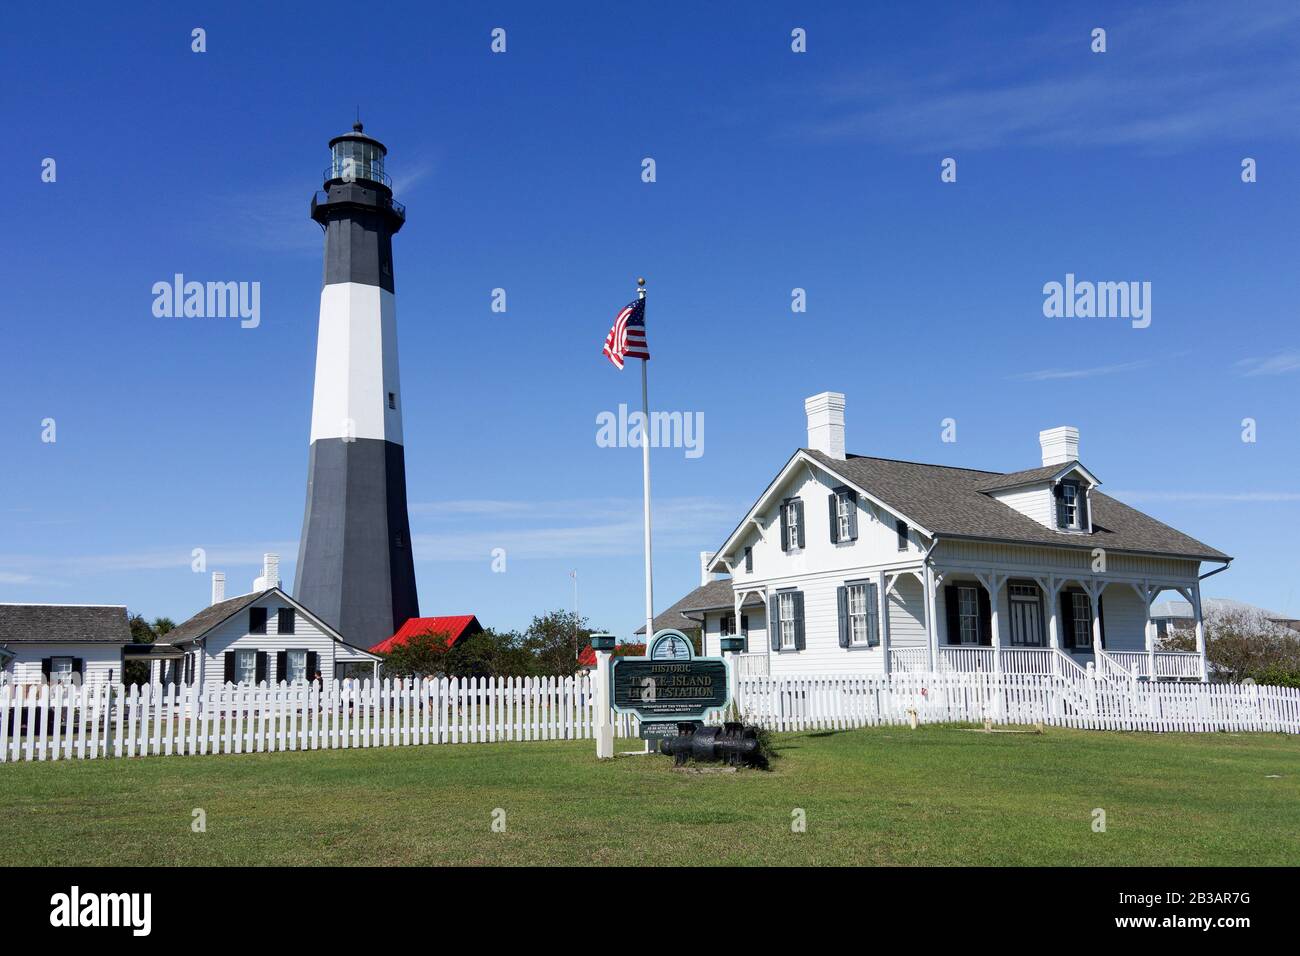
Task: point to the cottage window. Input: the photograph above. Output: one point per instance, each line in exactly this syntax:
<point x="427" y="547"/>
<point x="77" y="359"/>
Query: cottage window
<point x="968" y="609"/>
<point x="727" y="625"/>
<point x="749" y="560"/>
<point x="246" y="667"/>
<point x="900" y="527"/>
<point x="785" y="606"/>
<point x="844" y="505"/>
<point x="60" y="670"/>
<point x="862" y="614"/>
<point x="792" y="526"/>
<point x="1070" y="497"/>
<point x="296" y="666"/>
<point x="1082" y="622"/>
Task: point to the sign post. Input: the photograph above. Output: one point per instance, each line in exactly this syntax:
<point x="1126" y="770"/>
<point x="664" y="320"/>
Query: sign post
<point x="603" y="645"/>
<point x="669" y="686"/>
<point x="732" y="646"/>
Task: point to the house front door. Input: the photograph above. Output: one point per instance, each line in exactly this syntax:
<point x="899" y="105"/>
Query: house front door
<point x="1026" y="617"/>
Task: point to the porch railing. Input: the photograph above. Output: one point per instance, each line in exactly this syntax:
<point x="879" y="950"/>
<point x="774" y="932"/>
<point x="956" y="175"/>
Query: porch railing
<point x="751" y="664"/>
<point x="909" y="660"/>
<point x="1170" y="665"/>
<point x="966" y="660"/>
<point x="1027" y="660"/>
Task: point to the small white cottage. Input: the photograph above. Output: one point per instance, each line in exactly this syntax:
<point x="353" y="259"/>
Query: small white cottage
<point x="62" y="643"/>
<point x="263" y="636"/>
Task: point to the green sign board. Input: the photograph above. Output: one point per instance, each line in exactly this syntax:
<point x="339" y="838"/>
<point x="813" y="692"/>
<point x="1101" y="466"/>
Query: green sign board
<point x="670" y="684"/>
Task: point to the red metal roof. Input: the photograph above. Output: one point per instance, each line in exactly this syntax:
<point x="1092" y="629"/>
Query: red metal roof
<point x="455" y="627"/>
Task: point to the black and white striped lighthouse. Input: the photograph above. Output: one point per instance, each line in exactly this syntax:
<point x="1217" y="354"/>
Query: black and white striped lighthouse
<point x="354" y="558"/>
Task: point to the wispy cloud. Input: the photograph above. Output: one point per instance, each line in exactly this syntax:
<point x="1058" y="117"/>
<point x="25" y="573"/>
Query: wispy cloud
<point x="1244" y="497"/>
<point x="1173" y="76"/>
<point x="31" y="568"/>
<point x="606" y="527"/>
<point x="1279" y="364"/>
<point x="1055" y="374"/>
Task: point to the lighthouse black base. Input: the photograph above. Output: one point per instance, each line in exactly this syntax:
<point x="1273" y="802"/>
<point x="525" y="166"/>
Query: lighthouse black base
<point x="355" y="569"/>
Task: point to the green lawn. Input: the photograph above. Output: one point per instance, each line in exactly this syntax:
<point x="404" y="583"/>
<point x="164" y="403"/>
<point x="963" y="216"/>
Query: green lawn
<point x="939" y="795"/>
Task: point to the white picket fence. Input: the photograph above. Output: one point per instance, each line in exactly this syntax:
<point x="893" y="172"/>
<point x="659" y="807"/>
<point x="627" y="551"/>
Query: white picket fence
<point x="847" y="701"/>
<point x="61" y="722"/>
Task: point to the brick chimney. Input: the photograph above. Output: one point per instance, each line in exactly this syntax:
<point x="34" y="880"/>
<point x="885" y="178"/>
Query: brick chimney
<point x="270" y="573"/>
<point x="825" y="413"/>
<point x="1060" y="444"/>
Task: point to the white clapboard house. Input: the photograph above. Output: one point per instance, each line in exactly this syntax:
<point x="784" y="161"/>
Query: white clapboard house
<point x="62" y="643"/>
<point x="263" y="636"/>
<point x="853" y="564"/>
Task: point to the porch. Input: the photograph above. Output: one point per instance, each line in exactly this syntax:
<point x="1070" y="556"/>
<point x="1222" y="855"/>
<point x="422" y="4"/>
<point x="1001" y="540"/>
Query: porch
<point x="1165" y="665"/>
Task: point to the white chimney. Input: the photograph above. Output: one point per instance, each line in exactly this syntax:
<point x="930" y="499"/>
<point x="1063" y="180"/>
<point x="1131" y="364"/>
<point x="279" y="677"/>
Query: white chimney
<point x="705" y="576"/>
<point x="270" y="573"/>
<point x="826" y="423"/>
<point x="1059" y="444"/>
<point x="218" y="586"/>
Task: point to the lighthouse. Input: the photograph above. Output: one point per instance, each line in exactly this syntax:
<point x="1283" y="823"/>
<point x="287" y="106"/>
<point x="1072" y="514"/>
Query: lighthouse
<point x="355" y="569"/>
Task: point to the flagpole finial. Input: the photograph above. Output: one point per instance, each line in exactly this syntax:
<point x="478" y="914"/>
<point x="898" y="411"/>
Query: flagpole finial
<point x="640" y="281"/>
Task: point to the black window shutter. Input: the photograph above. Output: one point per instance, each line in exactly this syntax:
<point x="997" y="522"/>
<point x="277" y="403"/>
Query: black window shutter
<point x="749" y="560"/>
<point x="842" y="599"/>
<point x="257" y="620"/>
<point x="873" y="615"/>
<point x="774" y="622"/>
<point x="230" y="667"/>
<point x="1081" y="498"/>
<point x="798" y="510"/>
<point x="1060" y="505"/>
<point x="1067" y="619"/>
<point x="986" y="618"/>
<point x="835" y="517"/>
<point x="284" y="620"/>
<point x="78" y="665"/>
<point x="744" y="627"/>
<point x="952" y="600"/>
<point x="785" y="527"/>
<point x="312" y="665"/>
<point x="281" y="665"/>
<point x="798" y="610"/>
<point x="853" y="514"/>
<point x="46" y="663"/>
<point x="259" y="673"/>
<point x="900" y="527"/>
<point x="1101" y="617"/>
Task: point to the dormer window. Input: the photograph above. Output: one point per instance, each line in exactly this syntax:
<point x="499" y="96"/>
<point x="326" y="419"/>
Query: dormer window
<point x="1071" y="506"/>
<point x="792" y="536"/>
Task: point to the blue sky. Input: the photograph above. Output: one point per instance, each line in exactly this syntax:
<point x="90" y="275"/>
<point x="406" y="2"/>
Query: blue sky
<point x="521" y="170"/>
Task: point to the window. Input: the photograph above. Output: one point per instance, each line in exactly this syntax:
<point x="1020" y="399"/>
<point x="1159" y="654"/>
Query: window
<point x="1070" y="500"/>
<point x="246" y="662"/>
<point x="785" y="606"/>
<point x="1026" y="615"/>
<point x="792" y="510"/>
<point x="727" y="625"/>
<point x="901" y="528"/>
<point x="257" y="620"/>
<point x="749" y="560"/>
<point x="862" y="614"/>
<point x="392" y="400"/>
<point x="60" y="670"/>
<point x="968" y="611"/>
<point x="744" y="625"/>
<point x="1082" y="622"/>
<point x="284" y="620"/>
<point x="296" y="666"/>
<point x="844" y="506"/>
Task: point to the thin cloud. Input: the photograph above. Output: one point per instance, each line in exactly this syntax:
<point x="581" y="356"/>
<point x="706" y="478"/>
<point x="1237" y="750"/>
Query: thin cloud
<point x="1056" y="374"/>
<point x="1279" y="364"/>
<point x="1172" y="77"/>
<point x="47" y="567"/>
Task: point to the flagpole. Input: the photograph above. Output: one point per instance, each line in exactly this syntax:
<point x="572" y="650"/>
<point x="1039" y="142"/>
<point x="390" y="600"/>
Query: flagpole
<point x="645" y="477"/>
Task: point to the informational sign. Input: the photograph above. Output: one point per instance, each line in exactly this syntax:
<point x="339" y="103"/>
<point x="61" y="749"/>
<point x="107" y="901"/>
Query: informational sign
<point x="660" y="729"/>
<point x="670" y="684"/>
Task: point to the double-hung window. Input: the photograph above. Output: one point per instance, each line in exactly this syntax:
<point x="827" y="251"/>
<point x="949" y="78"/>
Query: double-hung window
<point x="792" y="510"/>
<point x="60" y="670"/>
<point x="844" y="505"/>
<point x="1070" y="500"/>
<point x="246" y="667"/>
<point x="785" y="604"/>
<point x="727" y="625"/>
<point x="1082" y="622"/>
<point x="295" y="666"/>
<point x="968" y="611"/>
<point x="862" y="614"/>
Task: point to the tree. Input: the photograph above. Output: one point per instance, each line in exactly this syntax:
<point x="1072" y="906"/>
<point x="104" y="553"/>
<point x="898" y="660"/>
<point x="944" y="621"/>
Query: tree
<point x="555" y="640"/>
<point x="137" y="672"/>
<point x="423" y="655"/>
<point x="1242" y="642"/>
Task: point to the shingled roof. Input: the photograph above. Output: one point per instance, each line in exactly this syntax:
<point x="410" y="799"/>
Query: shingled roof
<point x="714" y="596"/>
<point x="209" y="618"/>
<point x="64" y="624"/>
<point x="952" y="502"/>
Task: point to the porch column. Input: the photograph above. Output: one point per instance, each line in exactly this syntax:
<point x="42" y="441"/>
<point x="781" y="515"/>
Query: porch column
<point x="1148" y="631"/>
<point x="993" y="584"/>
<point x="1095" y="589"/>
<point x="1200" y="629"/>
<point x="882" y="600"/>
<point x="932" y="599"/>
<point x="927" y="615"/>
<point x="736" y="602"/>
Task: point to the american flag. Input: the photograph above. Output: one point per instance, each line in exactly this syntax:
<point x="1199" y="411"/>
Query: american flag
<point x="627" y="338"/>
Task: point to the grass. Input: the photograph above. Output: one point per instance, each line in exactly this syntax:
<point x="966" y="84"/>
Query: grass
<point x="882" y="796"/>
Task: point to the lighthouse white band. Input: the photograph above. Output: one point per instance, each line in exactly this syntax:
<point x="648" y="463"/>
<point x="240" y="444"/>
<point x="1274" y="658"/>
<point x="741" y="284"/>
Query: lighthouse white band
<point x="356" y="365"/>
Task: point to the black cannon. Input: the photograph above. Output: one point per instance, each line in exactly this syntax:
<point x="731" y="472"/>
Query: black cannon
<point x="733" y="744"/>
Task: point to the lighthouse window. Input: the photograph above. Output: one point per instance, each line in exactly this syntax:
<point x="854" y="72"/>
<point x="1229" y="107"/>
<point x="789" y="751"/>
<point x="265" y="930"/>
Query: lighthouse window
<point x="392" y="400"/>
